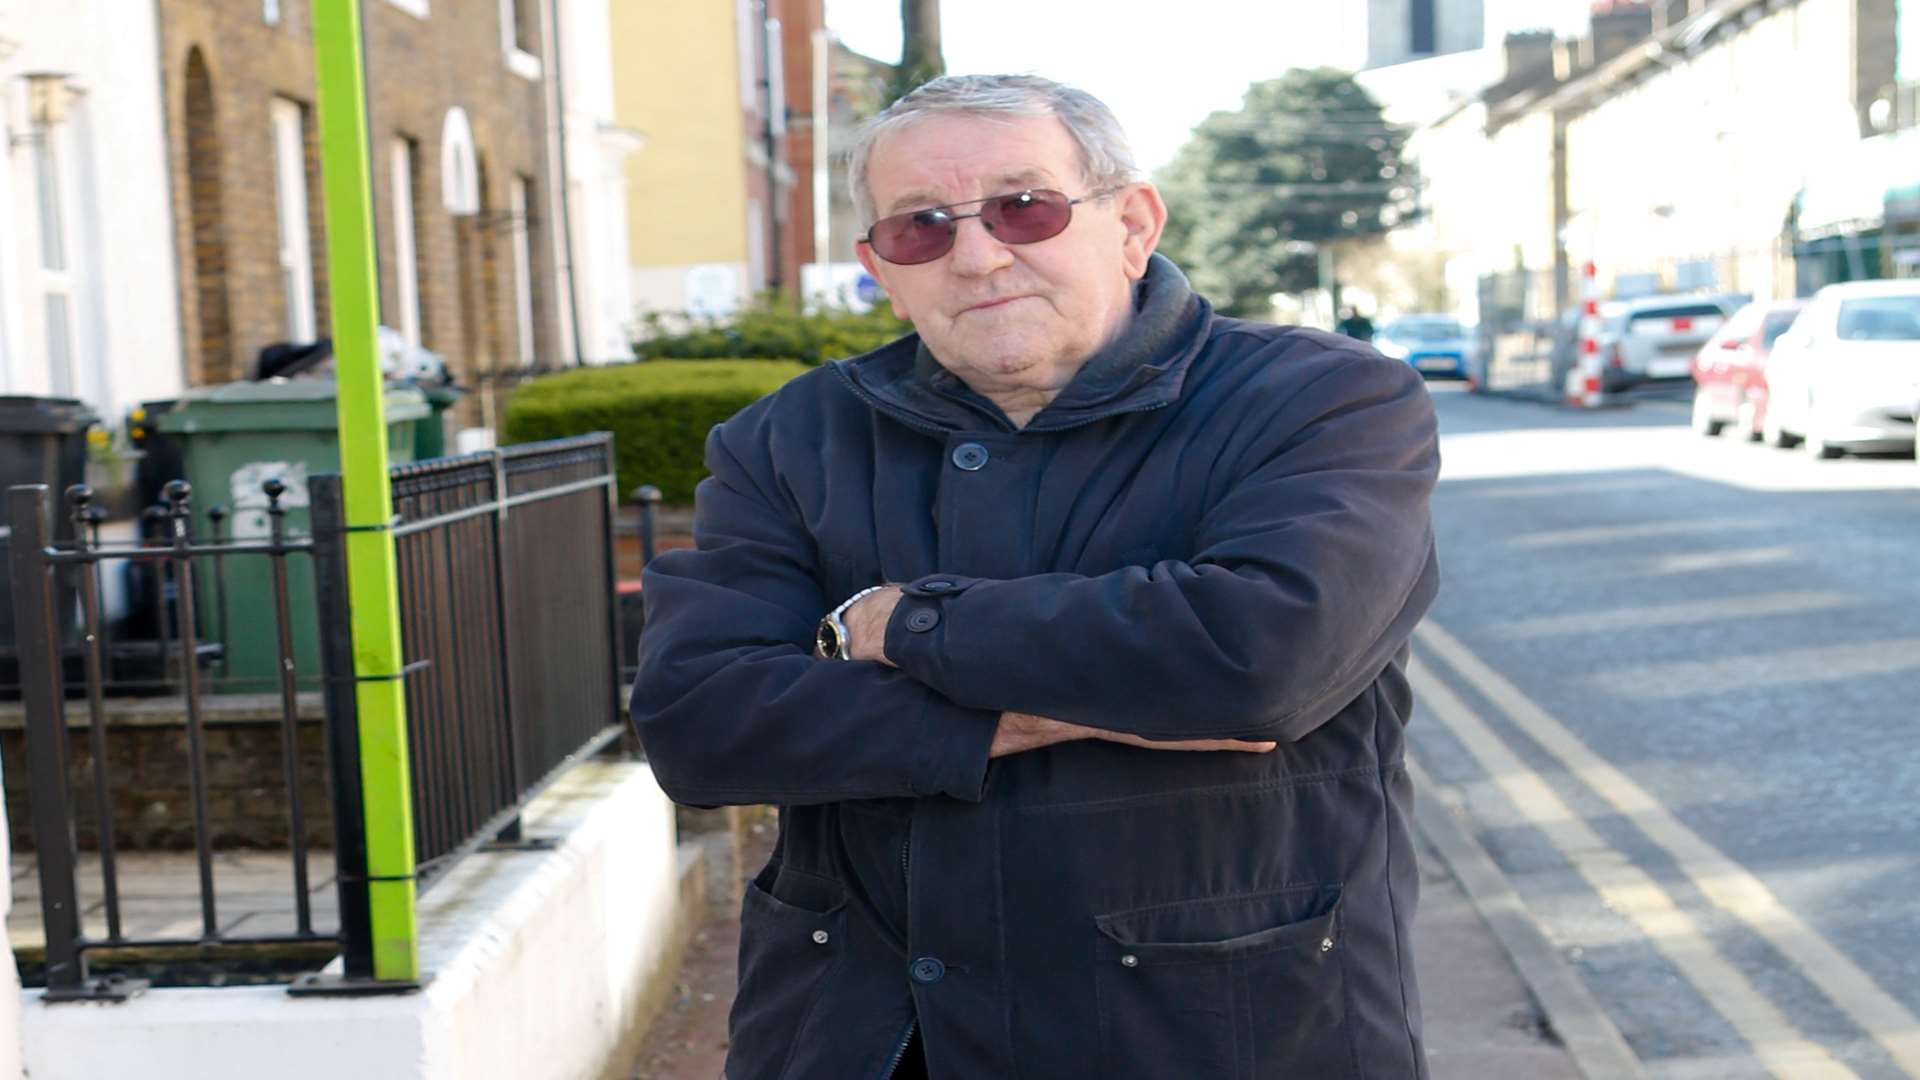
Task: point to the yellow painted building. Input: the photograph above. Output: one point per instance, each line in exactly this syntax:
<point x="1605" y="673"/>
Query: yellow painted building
<point x="679" y="77"/>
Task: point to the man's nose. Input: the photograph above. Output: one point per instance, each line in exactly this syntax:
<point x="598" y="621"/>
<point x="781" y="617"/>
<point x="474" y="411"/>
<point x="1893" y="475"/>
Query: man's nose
<point x="976" y="251"/>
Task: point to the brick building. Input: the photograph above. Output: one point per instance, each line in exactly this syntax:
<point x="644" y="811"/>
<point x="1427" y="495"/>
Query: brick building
<point x="457" y="110"/>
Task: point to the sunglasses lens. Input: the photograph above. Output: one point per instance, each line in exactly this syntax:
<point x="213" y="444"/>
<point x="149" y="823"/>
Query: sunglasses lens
<point x="1024" y="217"/>
<point x="918" y="237"/>
<point x="1027" y="217"/>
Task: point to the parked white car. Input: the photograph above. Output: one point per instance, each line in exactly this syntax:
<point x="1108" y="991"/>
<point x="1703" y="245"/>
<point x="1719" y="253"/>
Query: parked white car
<point x="1843" y="377"/>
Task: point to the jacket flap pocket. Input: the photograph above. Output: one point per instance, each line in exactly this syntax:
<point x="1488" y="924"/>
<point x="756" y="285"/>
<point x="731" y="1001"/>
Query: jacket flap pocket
<point x="1214" y="929"/>
<point x="784" y="892"/>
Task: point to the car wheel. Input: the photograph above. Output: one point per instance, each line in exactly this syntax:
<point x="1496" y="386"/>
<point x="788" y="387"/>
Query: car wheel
<point x="1816" y="444"/>
<point x="1773" y="434"/>
<point x="1703" y="419"/>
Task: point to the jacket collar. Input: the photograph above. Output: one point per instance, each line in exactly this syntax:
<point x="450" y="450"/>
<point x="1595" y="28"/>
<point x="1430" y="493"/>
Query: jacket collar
<point x="1144" y="369"/>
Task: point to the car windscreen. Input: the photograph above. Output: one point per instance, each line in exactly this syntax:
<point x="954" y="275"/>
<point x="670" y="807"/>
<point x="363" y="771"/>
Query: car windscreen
<point x="1679" y="311"/>
<point x="1778" y="322"/>
<point x="1879" y="318"/>
<point x="1424" y="330"/>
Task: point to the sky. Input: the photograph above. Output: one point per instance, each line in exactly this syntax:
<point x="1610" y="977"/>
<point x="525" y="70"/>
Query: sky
<point x="1160" y="75"/>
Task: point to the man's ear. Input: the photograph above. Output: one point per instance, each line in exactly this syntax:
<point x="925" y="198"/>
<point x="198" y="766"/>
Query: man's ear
<point x="873" y="263"/>
<point x="1144" y="216"/>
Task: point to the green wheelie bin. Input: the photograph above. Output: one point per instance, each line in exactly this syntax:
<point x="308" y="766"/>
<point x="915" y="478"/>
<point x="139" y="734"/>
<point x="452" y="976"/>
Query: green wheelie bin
<point x="233" y="439"/>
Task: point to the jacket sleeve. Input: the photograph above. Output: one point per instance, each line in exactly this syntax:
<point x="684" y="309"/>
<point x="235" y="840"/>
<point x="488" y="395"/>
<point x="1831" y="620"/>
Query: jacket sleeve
<point x="730" y="703"/>
<point x="1309" y="575"/>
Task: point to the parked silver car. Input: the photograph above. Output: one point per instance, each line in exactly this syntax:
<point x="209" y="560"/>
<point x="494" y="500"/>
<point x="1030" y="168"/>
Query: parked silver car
<point x="1645" y="342"/>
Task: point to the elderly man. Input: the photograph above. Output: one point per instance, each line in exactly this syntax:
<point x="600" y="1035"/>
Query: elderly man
<point x="1069" y="635"/>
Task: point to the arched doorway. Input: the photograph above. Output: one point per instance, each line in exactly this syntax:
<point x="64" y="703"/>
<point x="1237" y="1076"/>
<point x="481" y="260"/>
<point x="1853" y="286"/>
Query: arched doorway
<point x="215" y="338"/>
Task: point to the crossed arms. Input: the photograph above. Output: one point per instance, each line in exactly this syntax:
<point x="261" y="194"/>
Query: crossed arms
<point x="1308" y="577"/>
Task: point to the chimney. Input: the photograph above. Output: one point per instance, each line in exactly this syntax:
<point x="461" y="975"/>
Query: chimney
<point x="1528" y="51"/>
<point x="1618" y="29"/>
<point x="1670" y="13"/>
<point x="1570" y="58"/>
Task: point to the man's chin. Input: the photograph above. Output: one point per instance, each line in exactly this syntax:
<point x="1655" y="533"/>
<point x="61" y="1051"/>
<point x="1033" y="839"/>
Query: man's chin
<point x="998" y="365"/>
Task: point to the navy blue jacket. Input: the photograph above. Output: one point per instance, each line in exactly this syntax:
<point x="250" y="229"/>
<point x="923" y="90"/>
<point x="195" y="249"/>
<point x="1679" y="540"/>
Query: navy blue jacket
<point x="1219" y="529"/>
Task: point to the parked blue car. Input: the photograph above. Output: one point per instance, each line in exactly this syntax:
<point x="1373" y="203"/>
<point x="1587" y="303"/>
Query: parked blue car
<point x="1433" y="344"/>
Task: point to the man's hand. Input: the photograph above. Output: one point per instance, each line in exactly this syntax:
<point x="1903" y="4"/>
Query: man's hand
<point x="1019" y="732"/>
<point x="867" y="625"/>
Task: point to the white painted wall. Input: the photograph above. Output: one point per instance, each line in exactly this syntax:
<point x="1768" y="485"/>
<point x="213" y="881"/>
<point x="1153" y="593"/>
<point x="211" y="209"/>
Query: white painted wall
<point x="1645" y="191"/>
<point x="538" y="963"/>
<point x="120" y="241"/>
<point x="597" y="185"/>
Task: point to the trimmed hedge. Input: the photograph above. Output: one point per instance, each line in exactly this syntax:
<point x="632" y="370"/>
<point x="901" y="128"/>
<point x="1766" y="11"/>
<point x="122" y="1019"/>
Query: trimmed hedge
<point x="659" y="413"/>
<point x="769" y="330"/>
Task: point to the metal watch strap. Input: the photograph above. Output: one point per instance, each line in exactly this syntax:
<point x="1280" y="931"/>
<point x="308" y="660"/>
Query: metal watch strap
<point x="840" y="627"/>
<point x="856" y="598"/>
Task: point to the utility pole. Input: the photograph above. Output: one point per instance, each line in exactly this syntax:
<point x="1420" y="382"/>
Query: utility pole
<point x="372" y="576"/>
<point x="773" y="74"/>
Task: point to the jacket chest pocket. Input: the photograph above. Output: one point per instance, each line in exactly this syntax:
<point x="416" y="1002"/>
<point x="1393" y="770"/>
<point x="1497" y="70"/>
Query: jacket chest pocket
<point x="1248" y="988"/>
<point x="789" y="949"/>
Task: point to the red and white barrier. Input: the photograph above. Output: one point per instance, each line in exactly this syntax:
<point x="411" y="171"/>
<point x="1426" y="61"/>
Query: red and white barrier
<point x="1583" y="380"/>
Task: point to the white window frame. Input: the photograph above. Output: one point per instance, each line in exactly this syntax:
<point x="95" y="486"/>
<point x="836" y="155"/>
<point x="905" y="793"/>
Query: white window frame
<point x="406" y="250"/>
<point x="749" y="53"/>
<point x="459" y="165"/>
<point x="290" y="189"/>
<point x="519" y="61"/>
<point x="54" y="202"/>
<point x="522" y="268"/>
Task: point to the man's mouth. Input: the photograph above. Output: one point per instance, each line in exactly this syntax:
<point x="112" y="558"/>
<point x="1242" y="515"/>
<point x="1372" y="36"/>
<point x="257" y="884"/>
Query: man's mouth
<point x="1000" y="301"/>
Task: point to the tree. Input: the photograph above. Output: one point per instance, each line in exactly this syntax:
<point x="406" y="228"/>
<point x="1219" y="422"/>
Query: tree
<point x="1255" y="194"/>
<point x="920" y="57"/>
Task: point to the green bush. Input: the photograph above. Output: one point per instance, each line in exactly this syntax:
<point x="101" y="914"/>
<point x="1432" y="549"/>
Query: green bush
<point x="771" y="330"/>
<point x="659" y="413"/>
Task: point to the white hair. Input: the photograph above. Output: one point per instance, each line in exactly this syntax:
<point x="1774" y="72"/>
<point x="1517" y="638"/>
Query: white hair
<point x="1106" y="158"/>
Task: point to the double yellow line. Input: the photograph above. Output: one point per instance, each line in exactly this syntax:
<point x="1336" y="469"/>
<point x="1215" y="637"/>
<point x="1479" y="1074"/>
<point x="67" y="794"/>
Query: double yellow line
<point x="1778" y="1044"/>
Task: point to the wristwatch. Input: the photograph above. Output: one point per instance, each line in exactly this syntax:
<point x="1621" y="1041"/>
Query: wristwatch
<point x="831" y="641"/>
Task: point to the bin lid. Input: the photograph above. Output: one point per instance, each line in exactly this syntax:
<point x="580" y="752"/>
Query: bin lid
<point x="276" y="405"/>
<point x="21" y="415"/>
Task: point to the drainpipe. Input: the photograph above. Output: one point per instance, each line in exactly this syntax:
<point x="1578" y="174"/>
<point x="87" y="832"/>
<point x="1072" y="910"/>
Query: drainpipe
<point x="559" y="98"/>
<point x="774" y="126"/>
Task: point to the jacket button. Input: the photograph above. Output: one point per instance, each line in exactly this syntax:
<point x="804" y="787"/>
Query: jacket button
<point x="938" y="586"/>
<point x="928" y="970"/>
<point x="971" y="457"/>
<point x="1129" y="960"/>
<point x="923" y="620"/>
<point x="819" y="937"/>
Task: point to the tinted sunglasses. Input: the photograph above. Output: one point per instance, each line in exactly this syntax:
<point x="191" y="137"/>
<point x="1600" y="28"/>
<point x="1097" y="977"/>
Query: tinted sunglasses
<point x="1019" y="217"/>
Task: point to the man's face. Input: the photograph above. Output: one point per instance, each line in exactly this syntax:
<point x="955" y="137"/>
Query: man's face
<point x="1010" y="317"/>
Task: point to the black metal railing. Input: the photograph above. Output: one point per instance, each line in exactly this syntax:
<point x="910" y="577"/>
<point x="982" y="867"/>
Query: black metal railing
<point x="510" y="624"/>
<point x="42" y="570"/>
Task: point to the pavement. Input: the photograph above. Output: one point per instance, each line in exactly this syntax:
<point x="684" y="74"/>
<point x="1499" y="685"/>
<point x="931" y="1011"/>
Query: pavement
<point x="160" y="895"/>
<point x="1496" y="995"/>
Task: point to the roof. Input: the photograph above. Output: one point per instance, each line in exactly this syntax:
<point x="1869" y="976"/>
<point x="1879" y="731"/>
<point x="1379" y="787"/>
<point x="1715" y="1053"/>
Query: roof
<point x="1685" y="38"/>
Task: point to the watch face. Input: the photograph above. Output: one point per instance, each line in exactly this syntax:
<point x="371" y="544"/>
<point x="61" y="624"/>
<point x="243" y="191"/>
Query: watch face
<point x="826" y="640"/>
